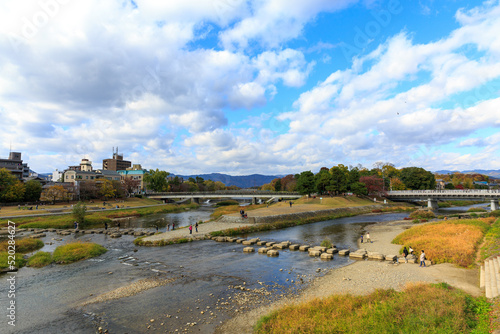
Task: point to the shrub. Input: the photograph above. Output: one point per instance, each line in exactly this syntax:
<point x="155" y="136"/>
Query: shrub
<point x="326" y="243"/>
<point x="25" y="245"/>
<point x="4" y="260"/>
<point x="495" y="213"/>
<point x="40" y="259"/>
<point x="422" y="214"/>
<point x="77" y="251"/>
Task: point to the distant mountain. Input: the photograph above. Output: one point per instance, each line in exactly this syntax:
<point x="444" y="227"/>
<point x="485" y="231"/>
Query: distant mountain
<point x="490" y="172"/>
<point x="244" y="181"/>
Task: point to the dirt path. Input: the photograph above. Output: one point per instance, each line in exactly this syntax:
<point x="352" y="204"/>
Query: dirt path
<point x="363" y="277"/>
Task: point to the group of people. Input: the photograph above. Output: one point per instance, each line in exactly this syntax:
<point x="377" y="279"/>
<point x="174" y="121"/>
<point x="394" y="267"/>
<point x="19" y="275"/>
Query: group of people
<point x="191" y="228"/>
<point x="409" y="251"/>
<point x="367" y="238"/>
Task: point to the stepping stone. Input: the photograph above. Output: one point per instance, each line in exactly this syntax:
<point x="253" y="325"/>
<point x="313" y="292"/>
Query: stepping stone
<point x="326" y="256"/>
<point x="239" y="241"/>
<point x="332" y="251"/>
<point x="294" y="247"/>
<point x="270" y="244"/>
<point x="344" y="252"/>
<point x="261" y="243"/>
<point x="314" y="252"/>
<point x="248" y="250"/>
<point x="273" y="252"/>
<point x="263" y="250"/>
<point x="304" y="248"/>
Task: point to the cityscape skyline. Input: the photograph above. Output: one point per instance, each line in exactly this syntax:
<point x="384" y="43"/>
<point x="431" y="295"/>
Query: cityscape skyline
<point x="237" y="87"/>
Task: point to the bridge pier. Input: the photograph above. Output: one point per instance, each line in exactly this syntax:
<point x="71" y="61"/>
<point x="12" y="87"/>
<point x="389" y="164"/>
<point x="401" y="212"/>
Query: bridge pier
<point x="494" y="205"/>
<point x="432" y="204"/>
<point x="195" y="200"/>
<point x="254" y="200"/>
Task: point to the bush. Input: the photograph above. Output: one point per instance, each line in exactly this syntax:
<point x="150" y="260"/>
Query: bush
<point x="77" y="251"/>
<point x="25" y="245"/>
<point x="40" y="259"/>
<point x="326" y="243"/>
<point x="4" y="260"/>
<point x="422" y="214"/>
<point x="495" y="213"/>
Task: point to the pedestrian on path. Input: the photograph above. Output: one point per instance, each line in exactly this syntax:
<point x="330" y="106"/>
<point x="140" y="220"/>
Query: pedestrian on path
<point x="368" y="237"/>
<point x="173" y="226"/>
<point x="405" y="253"/>
<point x="168" y="227"/>
<point x="190" y="229"/>
<point x="196" y="226"/>
<point x="410" y="250"/>
<point x="106" y="226"/>
<point x="422" y="259"/>
<point x="361" y="238"/>
<point x="76" y="225"/>
<point x="290" y="203"/>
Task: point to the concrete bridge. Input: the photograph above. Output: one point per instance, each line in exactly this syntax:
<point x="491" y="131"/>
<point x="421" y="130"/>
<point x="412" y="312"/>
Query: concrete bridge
<point x="433" y="196"/>
<point x="234" y="194"/>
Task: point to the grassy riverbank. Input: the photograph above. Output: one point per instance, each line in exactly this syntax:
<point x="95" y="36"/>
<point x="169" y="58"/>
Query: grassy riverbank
<point x="96" y="219"/>
<point x="454" y="241"/>
<point x="420" y="308"/>
<point x="22" y="247"/>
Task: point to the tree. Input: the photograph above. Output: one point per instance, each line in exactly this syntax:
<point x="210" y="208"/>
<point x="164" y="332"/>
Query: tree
<point x="119" y="188"/>
<point x="88" y="190"/>
<point x="79" y="211"/>
<point x="209" y="185"/>
<point x="33" y="190"/>
<point x="130" y="185"/>
<point x="219" y="185"/>
<point x="353" y="177"/>
<point x="305" y="183"/>
<point x="277" y="185"/>
<point x="157" y="180"/>
<point x="106" y="189"/>
<point x="288" y="183"/>
<point x="416" y="178"/>
<point x="359" y="189"/>
<point x="322" y="180"/>
<point x="449" y="186"/>
<point x="397" y="184"/>
<point x="55" y="193"/>
<point x="374" y="184"/>
<point x="11" y="189"/>
<point x="338" y="182"/>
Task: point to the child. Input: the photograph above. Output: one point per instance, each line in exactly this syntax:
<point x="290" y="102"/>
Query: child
<point x="422" y="258"/>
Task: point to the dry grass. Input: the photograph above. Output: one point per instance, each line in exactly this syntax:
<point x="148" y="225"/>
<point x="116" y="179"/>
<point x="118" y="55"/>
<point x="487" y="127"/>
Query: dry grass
<point x="420" y="308"/>
<point x="335" y="202"/>
<point x="228" y="209"/>
<point x="455" y="241"/>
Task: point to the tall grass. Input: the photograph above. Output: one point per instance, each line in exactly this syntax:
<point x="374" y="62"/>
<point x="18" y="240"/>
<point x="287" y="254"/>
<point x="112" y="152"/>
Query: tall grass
<point x="25" y="245"/>
<point x="454" y="241"/>
<point x="77" y="251"/>
<point x="420" y="308"/>
<point x="40" y="259"/>
<point x="4" y="260"/>
<point x="491" y="242"/>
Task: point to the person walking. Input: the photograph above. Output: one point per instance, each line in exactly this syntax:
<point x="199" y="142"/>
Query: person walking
<point x="361" y="238"/>
<point x="290" y="203"/>
<point x="105" y="226"/>
<point x="368" y="239"/>
<point x="410" y="250"/>
<point x="405" y="253"/>
<point x="76" y="225"/>
<point x="422" y="259"/>
<point x="168" y="227"/>
<point x="196" y="226"/>
<point x="190" y="229"/>
<point x="173" y="226"/>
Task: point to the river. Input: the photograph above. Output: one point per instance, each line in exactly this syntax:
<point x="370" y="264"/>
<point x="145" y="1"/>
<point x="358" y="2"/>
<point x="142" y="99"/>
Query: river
<point x="204" y="274"/>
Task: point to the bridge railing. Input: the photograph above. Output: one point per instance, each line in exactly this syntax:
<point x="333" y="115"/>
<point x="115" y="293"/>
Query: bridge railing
<point x="248" y="193"/>
<point x="444" y="192"/>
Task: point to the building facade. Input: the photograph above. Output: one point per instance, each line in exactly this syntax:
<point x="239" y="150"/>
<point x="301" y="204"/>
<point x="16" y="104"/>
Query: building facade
<point x="116" y="163"/>
<point x="15" y="165"/>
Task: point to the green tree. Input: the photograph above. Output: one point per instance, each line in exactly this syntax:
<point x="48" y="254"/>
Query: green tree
<point x="33" y="190"/>
<point x="353" y="177"/>
<point x="359" y="189"/>
<point x="277" y="185"/>
<point x="322" y="180"/>
<point x="157" y="180"/>
<point x="338" y="182"/>
<point x="305" y="183"/>
<point x="416" y="178"/>
<point x="11" y="189"/>
<point x="79" y="211"/>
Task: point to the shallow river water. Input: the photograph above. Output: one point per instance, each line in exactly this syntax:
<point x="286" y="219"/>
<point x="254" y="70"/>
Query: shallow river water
<point x="204" y="274"/>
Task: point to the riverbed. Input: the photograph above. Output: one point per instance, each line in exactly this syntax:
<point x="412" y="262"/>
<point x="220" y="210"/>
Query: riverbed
<point x="208" y="282"/>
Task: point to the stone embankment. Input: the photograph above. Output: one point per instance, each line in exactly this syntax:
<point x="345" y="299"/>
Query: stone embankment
<point x="490" y="277"/>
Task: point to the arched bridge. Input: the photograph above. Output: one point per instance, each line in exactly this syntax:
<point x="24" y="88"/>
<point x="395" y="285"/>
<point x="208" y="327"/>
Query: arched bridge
<point x="254" y="195"/>
<point x="433" y="196"/>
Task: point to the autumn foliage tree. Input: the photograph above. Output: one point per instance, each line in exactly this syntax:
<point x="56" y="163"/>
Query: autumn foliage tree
<point x="374" y="184"/>
<point x="11" y="189"/>
<point x="55" y="193"/>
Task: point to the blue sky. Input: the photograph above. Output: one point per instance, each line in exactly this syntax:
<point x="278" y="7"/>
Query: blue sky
<point x="242" y="87"/>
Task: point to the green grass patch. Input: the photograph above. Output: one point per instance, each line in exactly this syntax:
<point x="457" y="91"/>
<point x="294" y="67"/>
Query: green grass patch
<point x="40" y="259"/>
<point x="4" y="260"/>
<point x="420" y="308"/>
<point x="77" y="251"/>
<point x="477" y="210"/>
<point x="141" y="242"/>
<point x="491" y="242"/>
<point x="422" y="214"/>
<point x="25" y="245"/>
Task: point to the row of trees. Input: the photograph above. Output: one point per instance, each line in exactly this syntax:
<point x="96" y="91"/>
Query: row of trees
<point x="358" y="180"/>
<point x="13" y="190"/>
<point x="159" y="181"/>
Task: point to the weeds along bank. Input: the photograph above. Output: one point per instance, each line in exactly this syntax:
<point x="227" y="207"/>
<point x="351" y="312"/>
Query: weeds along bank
<point x="96" y="219"/>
